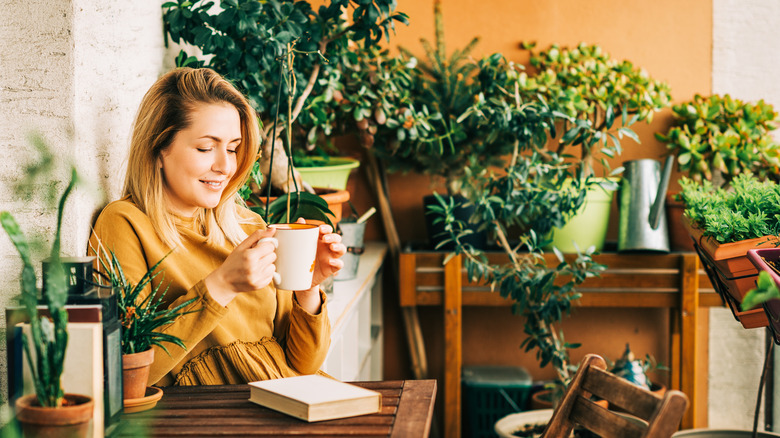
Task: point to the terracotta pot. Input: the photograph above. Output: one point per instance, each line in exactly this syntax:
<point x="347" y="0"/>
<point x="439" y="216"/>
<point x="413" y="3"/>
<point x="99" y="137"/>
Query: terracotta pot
<point x="679" y="239"/>
<point x="135" y="373"/>
<point x="70" y="420"/>
<point x="335" y="199"/>
<point x="734" y="270"/>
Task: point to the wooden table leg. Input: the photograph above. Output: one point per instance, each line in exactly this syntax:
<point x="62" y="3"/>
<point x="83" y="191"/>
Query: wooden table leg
<point x="689" y="314"/>
<point x="453" y="320"/>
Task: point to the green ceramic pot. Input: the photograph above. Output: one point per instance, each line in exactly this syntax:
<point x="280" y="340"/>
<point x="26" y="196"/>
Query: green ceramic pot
<point x="333" y="174"/>
<point x="589" y="226"/>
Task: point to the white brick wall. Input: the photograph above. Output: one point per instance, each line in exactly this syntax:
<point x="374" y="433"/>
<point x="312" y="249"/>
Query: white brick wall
<point x="74" y="70"/>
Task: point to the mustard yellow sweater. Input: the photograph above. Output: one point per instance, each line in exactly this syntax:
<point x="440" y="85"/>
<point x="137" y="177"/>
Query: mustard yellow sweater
<point x="262" y="334"/>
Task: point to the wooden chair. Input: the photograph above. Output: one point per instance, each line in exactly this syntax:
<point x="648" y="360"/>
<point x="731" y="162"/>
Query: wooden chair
<point x="661" y="415"/>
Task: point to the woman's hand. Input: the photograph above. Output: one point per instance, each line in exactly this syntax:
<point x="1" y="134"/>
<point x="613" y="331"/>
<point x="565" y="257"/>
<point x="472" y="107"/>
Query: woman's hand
<point x="327" y="263"/>
<point x="329" y="252"/>
<point x="249" y="267"/>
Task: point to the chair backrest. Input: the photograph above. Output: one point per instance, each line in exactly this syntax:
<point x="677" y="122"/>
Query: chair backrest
<point x="660" y="416"/>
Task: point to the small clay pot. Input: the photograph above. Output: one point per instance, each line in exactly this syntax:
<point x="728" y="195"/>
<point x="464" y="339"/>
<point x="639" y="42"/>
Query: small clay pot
<point x="69" y="420"/>
<point x="135" y="373"/>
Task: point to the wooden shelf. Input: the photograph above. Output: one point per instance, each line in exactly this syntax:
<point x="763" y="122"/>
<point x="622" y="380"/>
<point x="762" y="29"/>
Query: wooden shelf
<point x="669" y="281"/>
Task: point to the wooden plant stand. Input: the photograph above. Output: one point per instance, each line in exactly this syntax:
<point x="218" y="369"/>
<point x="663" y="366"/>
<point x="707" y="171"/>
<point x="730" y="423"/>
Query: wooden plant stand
<point x="668" y="281"/>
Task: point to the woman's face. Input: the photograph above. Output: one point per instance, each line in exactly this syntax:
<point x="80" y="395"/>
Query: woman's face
<point x="200" y="161"/>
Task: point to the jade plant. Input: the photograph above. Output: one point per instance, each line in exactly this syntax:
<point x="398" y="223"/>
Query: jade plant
<point x="49" y="333"/>
<point x="599" y="97"/>
<point x="717" y="137"/>
<point x="749" y="209"/>
<point x="244" y="40"/>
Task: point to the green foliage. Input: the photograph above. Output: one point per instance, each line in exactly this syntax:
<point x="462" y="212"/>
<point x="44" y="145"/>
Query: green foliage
<point x="520" y="205"/>
<point x="288" y="208"/>
<point x="49" y="334"/>
<point x="765" y="290"/>
<point x="749" y="209"/>
<point x="141" y="318"/>
<point x="244" y="40"/>
<point x="599" y="97"/>
<point x="725" y="135"/>
<point x="433" y="138"/>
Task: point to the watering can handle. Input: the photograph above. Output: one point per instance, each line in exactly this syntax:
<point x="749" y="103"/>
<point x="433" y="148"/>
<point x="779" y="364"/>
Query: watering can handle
<point x="660" y="197"/>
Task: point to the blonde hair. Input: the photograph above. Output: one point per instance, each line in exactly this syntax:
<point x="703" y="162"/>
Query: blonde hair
<point x="165" y="110"/>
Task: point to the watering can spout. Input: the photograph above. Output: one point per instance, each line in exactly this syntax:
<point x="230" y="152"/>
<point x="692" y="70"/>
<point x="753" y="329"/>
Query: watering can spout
<point x="655" y="211"/>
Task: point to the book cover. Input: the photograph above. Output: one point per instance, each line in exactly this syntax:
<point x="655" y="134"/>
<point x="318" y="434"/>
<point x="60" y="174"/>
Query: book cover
<point x="315" y="397"/>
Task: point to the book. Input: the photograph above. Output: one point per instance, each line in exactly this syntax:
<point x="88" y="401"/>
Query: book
<point x="82" y="371"/>
<point x="314" y="397"/>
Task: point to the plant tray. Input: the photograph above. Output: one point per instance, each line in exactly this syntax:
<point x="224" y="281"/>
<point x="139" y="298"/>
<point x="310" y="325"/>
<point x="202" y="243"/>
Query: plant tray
<point x="729" y="258"/>
<point x="750" y="319"/>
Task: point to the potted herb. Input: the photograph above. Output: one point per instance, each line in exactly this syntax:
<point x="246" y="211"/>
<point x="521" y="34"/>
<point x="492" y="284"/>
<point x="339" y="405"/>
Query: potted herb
<point x="49" y="411"/>
<point x="142" y="315"/>
<point x="725" y="224"/>
<point x="716" y="138"/>
<point x="244" y="41"/>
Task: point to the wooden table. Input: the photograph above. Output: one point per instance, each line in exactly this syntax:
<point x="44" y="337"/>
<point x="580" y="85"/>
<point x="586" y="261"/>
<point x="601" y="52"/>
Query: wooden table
<point x="407" y="411"/>
<point x="640" y="280"/>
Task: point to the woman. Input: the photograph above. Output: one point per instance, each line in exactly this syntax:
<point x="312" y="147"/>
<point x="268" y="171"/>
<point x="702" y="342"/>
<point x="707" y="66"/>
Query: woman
<point x="194" y="142"/>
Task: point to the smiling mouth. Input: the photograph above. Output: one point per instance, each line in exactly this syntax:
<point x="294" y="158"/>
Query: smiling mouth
<point x="213" y="184"/>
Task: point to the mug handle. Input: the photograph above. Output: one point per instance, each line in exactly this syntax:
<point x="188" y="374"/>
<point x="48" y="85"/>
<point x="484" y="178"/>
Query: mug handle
<point x="277" y="276"/>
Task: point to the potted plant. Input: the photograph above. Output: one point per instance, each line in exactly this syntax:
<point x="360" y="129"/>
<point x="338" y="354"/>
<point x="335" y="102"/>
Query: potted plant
<point x="244" y="41"/>
<point x="142" y="315"/>
<point x="716" y="138"/>
<point x="49" y="411"/>
<point x="599" y="98"/>
<point x="428" y="134"/>
<point x="520" y="205"/>
<point x="725" y="224"/>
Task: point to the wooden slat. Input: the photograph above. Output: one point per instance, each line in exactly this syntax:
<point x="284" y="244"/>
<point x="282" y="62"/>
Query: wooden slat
<point x="589" y="299"/>
<point x="689" y="312"/>
<point x="421" y="400"/>
<point x="453" y="323"/>
<point x="603" y="422"/>
<point x="633" y="399"/>
<point x="407" y="287"/>
<point x="675" y="348"/>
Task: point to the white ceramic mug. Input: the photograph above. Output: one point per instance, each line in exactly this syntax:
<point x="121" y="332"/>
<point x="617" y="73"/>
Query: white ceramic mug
<point x="296" y="252"/>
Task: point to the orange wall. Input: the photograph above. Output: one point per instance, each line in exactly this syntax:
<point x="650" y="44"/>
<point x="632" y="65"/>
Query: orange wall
<point x="670" y="39"/>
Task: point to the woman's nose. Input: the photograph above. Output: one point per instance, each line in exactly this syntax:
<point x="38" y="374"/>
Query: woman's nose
<point x="222" y="162"/>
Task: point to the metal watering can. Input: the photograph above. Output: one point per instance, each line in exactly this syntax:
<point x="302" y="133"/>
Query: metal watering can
<point x="642" y="196"/>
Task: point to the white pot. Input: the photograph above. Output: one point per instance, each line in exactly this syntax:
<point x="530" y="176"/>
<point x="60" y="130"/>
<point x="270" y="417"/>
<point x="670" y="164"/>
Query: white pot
<point x="505" y="427"/>
<point x="721" y="433"/>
